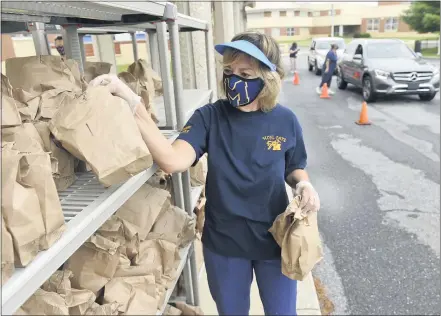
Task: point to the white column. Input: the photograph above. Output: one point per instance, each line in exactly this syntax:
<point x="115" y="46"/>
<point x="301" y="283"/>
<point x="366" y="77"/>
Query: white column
<point x="105" y="50"/>
<point x="223" y="29"/>
<point x="340" y="30"/>
<point x="203" y="11"/>
<point x="154" y="52"/>
<point x="187" y="52"/>
<point x="237" y="7"/>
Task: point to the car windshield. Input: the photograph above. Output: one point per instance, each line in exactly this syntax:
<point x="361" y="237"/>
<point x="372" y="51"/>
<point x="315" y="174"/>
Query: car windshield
<point x="389" y="50"/>
<point x="327" y="44"/>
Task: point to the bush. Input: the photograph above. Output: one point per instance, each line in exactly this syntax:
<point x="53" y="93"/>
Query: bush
<point x="362" y="35"/>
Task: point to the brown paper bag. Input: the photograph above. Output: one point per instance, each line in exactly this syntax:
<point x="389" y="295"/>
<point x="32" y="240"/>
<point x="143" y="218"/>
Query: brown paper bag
<point x="38" y="174"/>
<point x="25" y="138"/>
<point x="42" y="73"/>
<point x="49" y="102"/>
<point x="140" y="90"/>
<point x="7" y="252"/>
<point x="10" y="114"/>
<point x="65" y="175"/>
<point x="189" y="310"/>
<point x="143" y="208"/>
<point x="81" y="301"/>
<point x="45" y="303"/>
<point x="172" y="311"/>
<point x="94" y="263"/>
<point x="6" y="86"/>
<point x="112" y="144"/>
<point x="123" y="233"/>
<point x="149" y="81"/>
<point x="136" y="295"/>
<point x="20" y="209"/>
<point x="59" y="282"/>
<point x="298" y="236"/>
<point x="106" y="309"/>
<point x="95" y="69"/>
<point x="159" y="254"/>
<point x="198" y="173"/>
<point x="174" y="225"/>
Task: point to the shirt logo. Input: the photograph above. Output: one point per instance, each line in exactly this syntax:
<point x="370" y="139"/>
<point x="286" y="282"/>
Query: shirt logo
<point x="186" y="129"/>
<point x="274" y="143"/>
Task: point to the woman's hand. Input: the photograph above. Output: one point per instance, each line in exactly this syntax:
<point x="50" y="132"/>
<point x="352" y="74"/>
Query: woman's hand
<point x="118" y="88"/>
<point x="310" y="201"/>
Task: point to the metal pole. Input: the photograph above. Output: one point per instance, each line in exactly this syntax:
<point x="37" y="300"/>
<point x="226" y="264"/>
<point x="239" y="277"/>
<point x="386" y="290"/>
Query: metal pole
<point x="74" y="50"/>
<point x="181" y="120"/>
<point x="83" y="51"/>
<point x="211" y="66"/>
<point x="40" y="40"/>
<point x="135" y="47"/>
<point x="164" y="62"/>
<point x="332" y="20"/>
<point x="154" y="54"/>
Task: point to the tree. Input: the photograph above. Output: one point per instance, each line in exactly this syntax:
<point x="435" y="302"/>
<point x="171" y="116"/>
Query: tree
<point x="423" y="16"/>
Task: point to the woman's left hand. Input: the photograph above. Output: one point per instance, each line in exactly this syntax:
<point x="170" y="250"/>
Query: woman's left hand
<point x="310" y="201"/>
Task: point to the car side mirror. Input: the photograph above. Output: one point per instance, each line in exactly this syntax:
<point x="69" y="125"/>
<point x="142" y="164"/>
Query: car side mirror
<point x="358" y="57"/>
<point x="312" y="48"/>
<point x="419" y="55"/>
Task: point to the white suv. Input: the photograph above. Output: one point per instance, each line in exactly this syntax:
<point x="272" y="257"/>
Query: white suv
<point x="319" y="49"/>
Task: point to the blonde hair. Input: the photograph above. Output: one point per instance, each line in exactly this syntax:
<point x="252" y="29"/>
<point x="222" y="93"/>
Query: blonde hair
<point x="267" y="98"/>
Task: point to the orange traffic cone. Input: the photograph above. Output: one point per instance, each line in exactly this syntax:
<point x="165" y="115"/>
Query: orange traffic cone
<point x="325" y="94"/>
<point x="363" y="116"/>
<point x="296" y="79"/>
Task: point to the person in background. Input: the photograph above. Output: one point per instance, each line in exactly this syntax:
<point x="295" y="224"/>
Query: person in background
<point x="59" y="45"/>
<point x="293" y="56"/>
<point x="254" y="145"/>
<point x="328" y="69"/>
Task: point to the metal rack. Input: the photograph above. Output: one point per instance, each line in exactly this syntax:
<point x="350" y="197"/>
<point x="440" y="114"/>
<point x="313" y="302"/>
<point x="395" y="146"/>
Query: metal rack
<point x="86" y="204"/>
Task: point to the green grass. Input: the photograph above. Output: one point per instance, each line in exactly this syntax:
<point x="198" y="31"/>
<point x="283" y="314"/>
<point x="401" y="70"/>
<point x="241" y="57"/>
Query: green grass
<point x="430" y="52"/>
<point x="121" y="68"/>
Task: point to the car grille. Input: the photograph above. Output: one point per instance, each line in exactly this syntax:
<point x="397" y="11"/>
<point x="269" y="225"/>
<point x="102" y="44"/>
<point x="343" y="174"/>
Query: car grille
<point x="413" y="76"/>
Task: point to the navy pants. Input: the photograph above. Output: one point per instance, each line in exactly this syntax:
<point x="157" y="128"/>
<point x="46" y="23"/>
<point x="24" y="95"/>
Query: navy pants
<point x="326" y="78"/>
<point x="229" y="280"/>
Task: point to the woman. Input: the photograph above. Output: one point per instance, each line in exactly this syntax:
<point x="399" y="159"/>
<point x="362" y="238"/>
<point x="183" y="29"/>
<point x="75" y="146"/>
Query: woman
<point x="253" y="146"/>
<point x="293" y="56"/>
<point x="328" y="69"/>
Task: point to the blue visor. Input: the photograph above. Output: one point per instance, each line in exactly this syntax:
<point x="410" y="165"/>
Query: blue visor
<point x="247" y="48"/>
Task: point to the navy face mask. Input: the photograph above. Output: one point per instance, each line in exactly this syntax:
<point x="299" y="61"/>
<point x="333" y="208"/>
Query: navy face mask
<point x="241" y="91"/>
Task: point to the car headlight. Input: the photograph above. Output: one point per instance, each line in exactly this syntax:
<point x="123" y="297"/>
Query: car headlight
<point x="382" y="74"/>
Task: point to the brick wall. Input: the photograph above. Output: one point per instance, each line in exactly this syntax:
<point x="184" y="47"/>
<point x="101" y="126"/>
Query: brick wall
<point x="382" y="23"/>
<point x="403" y="26"/>
<point x="283" y="31"/>
<point x="320" y="30"/>
<point x="363" y="28"/>
<point x="7" y="47"/>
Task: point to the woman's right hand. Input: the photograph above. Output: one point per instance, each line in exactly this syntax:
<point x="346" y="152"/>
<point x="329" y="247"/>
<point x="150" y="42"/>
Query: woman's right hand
<point x="117" y="88"/>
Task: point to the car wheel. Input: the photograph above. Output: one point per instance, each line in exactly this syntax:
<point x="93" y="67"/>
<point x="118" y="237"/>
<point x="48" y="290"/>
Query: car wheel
<point x="341" y="83"/>
<point x="318" y="71"/>
<point x="427" y="97"/>
<point x="369" y="94"/>
<point x="310" y="67"/>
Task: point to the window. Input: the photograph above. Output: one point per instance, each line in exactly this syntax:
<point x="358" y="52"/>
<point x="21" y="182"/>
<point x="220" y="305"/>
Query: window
<point x="296" y="13"/>
<point x="389" y="50"/>
<point x="359" y="50"/>
<point x="303" y="13"/>
<point x="267" y="14"/>
<point x="373" y="24"/>
<point x="310" y="14"/>
<point x="290" y="31"/>
<point x="350" y="49"/>
<point x="391" y="24"/>
<point x="316" y="13"/>
<point x="282" y="13"/>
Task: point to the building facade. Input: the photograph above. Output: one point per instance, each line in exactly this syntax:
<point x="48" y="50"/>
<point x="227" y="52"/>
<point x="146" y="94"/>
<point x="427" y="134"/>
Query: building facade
<point x="305" y="20"/>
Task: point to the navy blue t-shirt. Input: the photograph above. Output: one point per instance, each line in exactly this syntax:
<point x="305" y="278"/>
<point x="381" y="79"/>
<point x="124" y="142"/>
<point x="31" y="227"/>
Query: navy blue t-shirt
<point x="249" y="156"/>
<point x="332" y="57"/>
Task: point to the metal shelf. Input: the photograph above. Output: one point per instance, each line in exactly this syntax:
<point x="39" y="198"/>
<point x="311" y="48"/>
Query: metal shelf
<point x="195" y="194"/>
<point x="184" y="257"/>
<point x="84" y="12"/>
<point x="194" y="99"/>
<point x="86" y="206"/>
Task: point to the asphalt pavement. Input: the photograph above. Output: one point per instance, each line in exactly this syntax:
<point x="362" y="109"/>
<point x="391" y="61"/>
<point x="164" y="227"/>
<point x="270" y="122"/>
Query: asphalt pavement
<point x="380" y="193"/>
